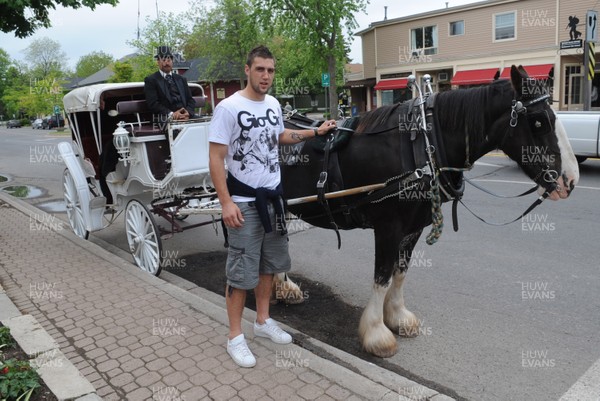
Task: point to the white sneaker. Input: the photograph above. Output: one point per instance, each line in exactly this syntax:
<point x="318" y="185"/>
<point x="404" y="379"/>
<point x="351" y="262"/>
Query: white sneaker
<point x="271" y="330"/>
<point x="240" y="353"/>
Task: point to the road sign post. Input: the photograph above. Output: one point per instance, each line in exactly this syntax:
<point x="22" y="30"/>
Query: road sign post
<point x="325" y="84"/>
<point x="589" y="59"/>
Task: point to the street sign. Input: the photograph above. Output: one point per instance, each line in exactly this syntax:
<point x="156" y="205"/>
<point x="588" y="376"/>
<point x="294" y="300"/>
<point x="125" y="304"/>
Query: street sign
<point x="571" y="44"/>
<point x="325" y="79"/>
<point x="591" y="27"/>
<point x="56" y="109"/>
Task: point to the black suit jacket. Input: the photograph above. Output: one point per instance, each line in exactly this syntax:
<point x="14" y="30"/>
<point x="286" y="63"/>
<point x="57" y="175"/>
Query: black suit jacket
<point x="158" y="96"/>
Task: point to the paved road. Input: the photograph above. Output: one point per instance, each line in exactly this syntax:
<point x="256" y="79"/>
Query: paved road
<point x="508" y="313"/>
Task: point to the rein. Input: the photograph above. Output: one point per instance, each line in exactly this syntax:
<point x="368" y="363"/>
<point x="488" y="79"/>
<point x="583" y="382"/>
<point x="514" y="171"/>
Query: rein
<point x="397" y="185"/>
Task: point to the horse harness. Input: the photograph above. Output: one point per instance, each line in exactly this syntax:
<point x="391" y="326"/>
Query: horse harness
<point x="444" y="183"/>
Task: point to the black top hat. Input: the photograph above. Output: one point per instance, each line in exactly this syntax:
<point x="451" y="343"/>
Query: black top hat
<point x="163" y="51"/>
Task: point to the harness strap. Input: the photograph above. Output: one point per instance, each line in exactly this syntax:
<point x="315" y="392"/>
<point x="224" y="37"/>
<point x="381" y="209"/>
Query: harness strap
<point x="322" y="187"/>
<point x="535" y="204"/>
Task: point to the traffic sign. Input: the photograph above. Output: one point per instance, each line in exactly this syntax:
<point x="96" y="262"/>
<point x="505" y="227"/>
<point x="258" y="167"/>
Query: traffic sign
<point x="56" y="109"/>
<point x="325" y="79"/>
<point x="591" y="26"/>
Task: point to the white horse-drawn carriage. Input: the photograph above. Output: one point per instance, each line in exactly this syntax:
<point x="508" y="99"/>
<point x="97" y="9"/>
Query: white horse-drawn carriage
<point x="122" y="159"/>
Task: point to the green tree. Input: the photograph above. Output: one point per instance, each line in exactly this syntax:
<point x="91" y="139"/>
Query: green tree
<point x="23" y="17"/>
<point x="123" y="72"/>
<point x="92" y="63"/>
<point x="45" y="57"/>
<point x="168" y="29"/>
<point x="324" y="27"/>
<point x="4" y="64"/>
<point x="224" y="35"/>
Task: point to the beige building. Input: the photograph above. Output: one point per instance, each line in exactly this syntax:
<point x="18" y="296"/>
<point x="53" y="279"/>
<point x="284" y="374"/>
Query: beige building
<point x="469" y="45"/>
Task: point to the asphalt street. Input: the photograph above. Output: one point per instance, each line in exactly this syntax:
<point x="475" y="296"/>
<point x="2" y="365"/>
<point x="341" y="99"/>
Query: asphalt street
<point x="507" y="313"/>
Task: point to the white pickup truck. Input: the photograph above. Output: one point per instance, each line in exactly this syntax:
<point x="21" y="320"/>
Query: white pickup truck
<point x="583" y="130"/>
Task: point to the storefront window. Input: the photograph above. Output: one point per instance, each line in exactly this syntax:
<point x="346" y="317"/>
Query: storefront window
<point x="573" y="86"/>
<point x="390" y="97"/>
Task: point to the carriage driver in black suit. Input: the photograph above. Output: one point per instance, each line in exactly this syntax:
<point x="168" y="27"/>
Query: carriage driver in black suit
<point x="168" y="94"/>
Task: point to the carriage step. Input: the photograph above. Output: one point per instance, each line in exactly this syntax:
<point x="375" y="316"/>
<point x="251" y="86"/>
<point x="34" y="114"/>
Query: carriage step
<point x="116" y="182"/>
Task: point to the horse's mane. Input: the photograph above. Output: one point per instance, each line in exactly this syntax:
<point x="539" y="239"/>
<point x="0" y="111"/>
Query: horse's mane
<point x="465" y="111"/>
<point x="377" y="118"/>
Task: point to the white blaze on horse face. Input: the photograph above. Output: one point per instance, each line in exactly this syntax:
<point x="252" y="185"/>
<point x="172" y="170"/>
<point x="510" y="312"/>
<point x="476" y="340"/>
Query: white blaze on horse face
<point x="569" y="168"/>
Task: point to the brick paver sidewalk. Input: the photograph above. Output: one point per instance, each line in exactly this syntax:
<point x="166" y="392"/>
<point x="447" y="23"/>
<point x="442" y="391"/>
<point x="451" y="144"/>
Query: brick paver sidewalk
<point x="134" y="341"/>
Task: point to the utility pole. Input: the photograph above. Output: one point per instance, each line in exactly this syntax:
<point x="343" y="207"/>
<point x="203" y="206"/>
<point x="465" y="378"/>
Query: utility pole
<point x="589" y="59"/>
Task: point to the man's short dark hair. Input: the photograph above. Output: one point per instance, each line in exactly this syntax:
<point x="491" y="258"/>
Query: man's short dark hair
<point x="259" y="51"/>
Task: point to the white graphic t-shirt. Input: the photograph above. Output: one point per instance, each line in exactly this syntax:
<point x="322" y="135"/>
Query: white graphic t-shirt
<point x="251" y="130"/>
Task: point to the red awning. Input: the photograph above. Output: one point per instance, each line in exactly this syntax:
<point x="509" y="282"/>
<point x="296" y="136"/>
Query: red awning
<point x="534" y="71"/>
<point x="389" y="84"/>
<point x="474" y="77"/>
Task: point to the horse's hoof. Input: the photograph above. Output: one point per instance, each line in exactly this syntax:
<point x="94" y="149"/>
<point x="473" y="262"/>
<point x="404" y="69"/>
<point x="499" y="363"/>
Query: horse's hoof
<point x="379" y="341"/>
<point x="287" y="291"/>
<point x="406" y="325"/>
<point x="384" y="348"/>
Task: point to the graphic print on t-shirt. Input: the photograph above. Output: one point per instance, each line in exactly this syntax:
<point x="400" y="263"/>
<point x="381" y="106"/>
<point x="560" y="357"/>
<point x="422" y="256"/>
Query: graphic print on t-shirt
<point x="256" y="146"/>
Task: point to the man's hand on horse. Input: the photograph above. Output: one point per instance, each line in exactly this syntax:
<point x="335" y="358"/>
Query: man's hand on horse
<point x="327" y="126"/>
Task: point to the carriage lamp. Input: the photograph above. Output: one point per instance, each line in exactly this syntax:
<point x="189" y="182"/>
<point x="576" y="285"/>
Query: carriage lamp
<point x="121" y="142"/>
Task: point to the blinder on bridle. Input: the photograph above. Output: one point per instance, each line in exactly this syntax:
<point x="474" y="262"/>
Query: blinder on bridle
<point x="519" y="108"/>
<point x="540" y="124"/>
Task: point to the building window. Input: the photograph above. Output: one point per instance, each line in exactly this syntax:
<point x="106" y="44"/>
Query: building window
<point x="389" y="97"/>
<point x="424" y="40"/>
<point x="457" y="28"/>
<point x="573" y="87"/>
<point x="504" y="26"/>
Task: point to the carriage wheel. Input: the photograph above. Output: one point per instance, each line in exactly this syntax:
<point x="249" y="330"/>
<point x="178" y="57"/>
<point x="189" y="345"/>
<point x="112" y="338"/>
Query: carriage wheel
<point x="73" y="206"/>
<point x="143" y="237"/>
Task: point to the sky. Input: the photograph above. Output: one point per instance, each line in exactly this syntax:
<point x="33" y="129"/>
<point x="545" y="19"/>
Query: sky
<point x="108" y="28"/>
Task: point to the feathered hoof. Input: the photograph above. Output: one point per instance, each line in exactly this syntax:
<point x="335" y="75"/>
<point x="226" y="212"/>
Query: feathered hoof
<point x="407" y="325"/>
<point x="286" y="290"/>
<point x="383" y="345"/>
<point x="377" y="340"/>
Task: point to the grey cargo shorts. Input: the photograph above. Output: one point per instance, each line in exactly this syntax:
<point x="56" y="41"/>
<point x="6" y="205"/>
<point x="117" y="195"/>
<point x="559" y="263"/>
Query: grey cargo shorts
<point x="253" y="252"/>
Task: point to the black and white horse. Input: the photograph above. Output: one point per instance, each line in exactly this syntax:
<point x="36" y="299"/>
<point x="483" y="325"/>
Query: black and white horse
<point x="513" y="116"/>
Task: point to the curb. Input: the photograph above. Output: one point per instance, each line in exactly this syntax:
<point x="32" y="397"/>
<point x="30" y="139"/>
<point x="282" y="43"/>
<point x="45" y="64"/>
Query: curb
<point x="58" y="373"/>
<point x="364" y="378"/>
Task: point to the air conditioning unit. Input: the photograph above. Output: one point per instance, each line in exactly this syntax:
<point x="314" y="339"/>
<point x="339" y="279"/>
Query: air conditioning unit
<point x="442" y="76"/>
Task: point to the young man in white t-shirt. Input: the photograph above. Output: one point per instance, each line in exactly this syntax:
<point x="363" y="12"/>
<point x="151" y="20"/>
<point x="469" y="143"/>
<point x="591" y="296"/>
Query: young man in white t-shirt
<point x="245" y="131"/>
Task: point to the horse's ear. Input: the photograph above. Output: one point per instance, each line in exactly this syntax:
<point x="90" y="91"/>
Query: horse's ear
<point x="497" y="75"/>
<point x="523" y="72"/>
<point x="516" y="77"/>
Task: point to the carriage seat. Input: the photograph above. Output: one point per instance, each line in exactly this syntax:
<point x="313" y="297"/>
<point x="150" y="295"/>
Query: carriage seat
<point x="140" y="106"/>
